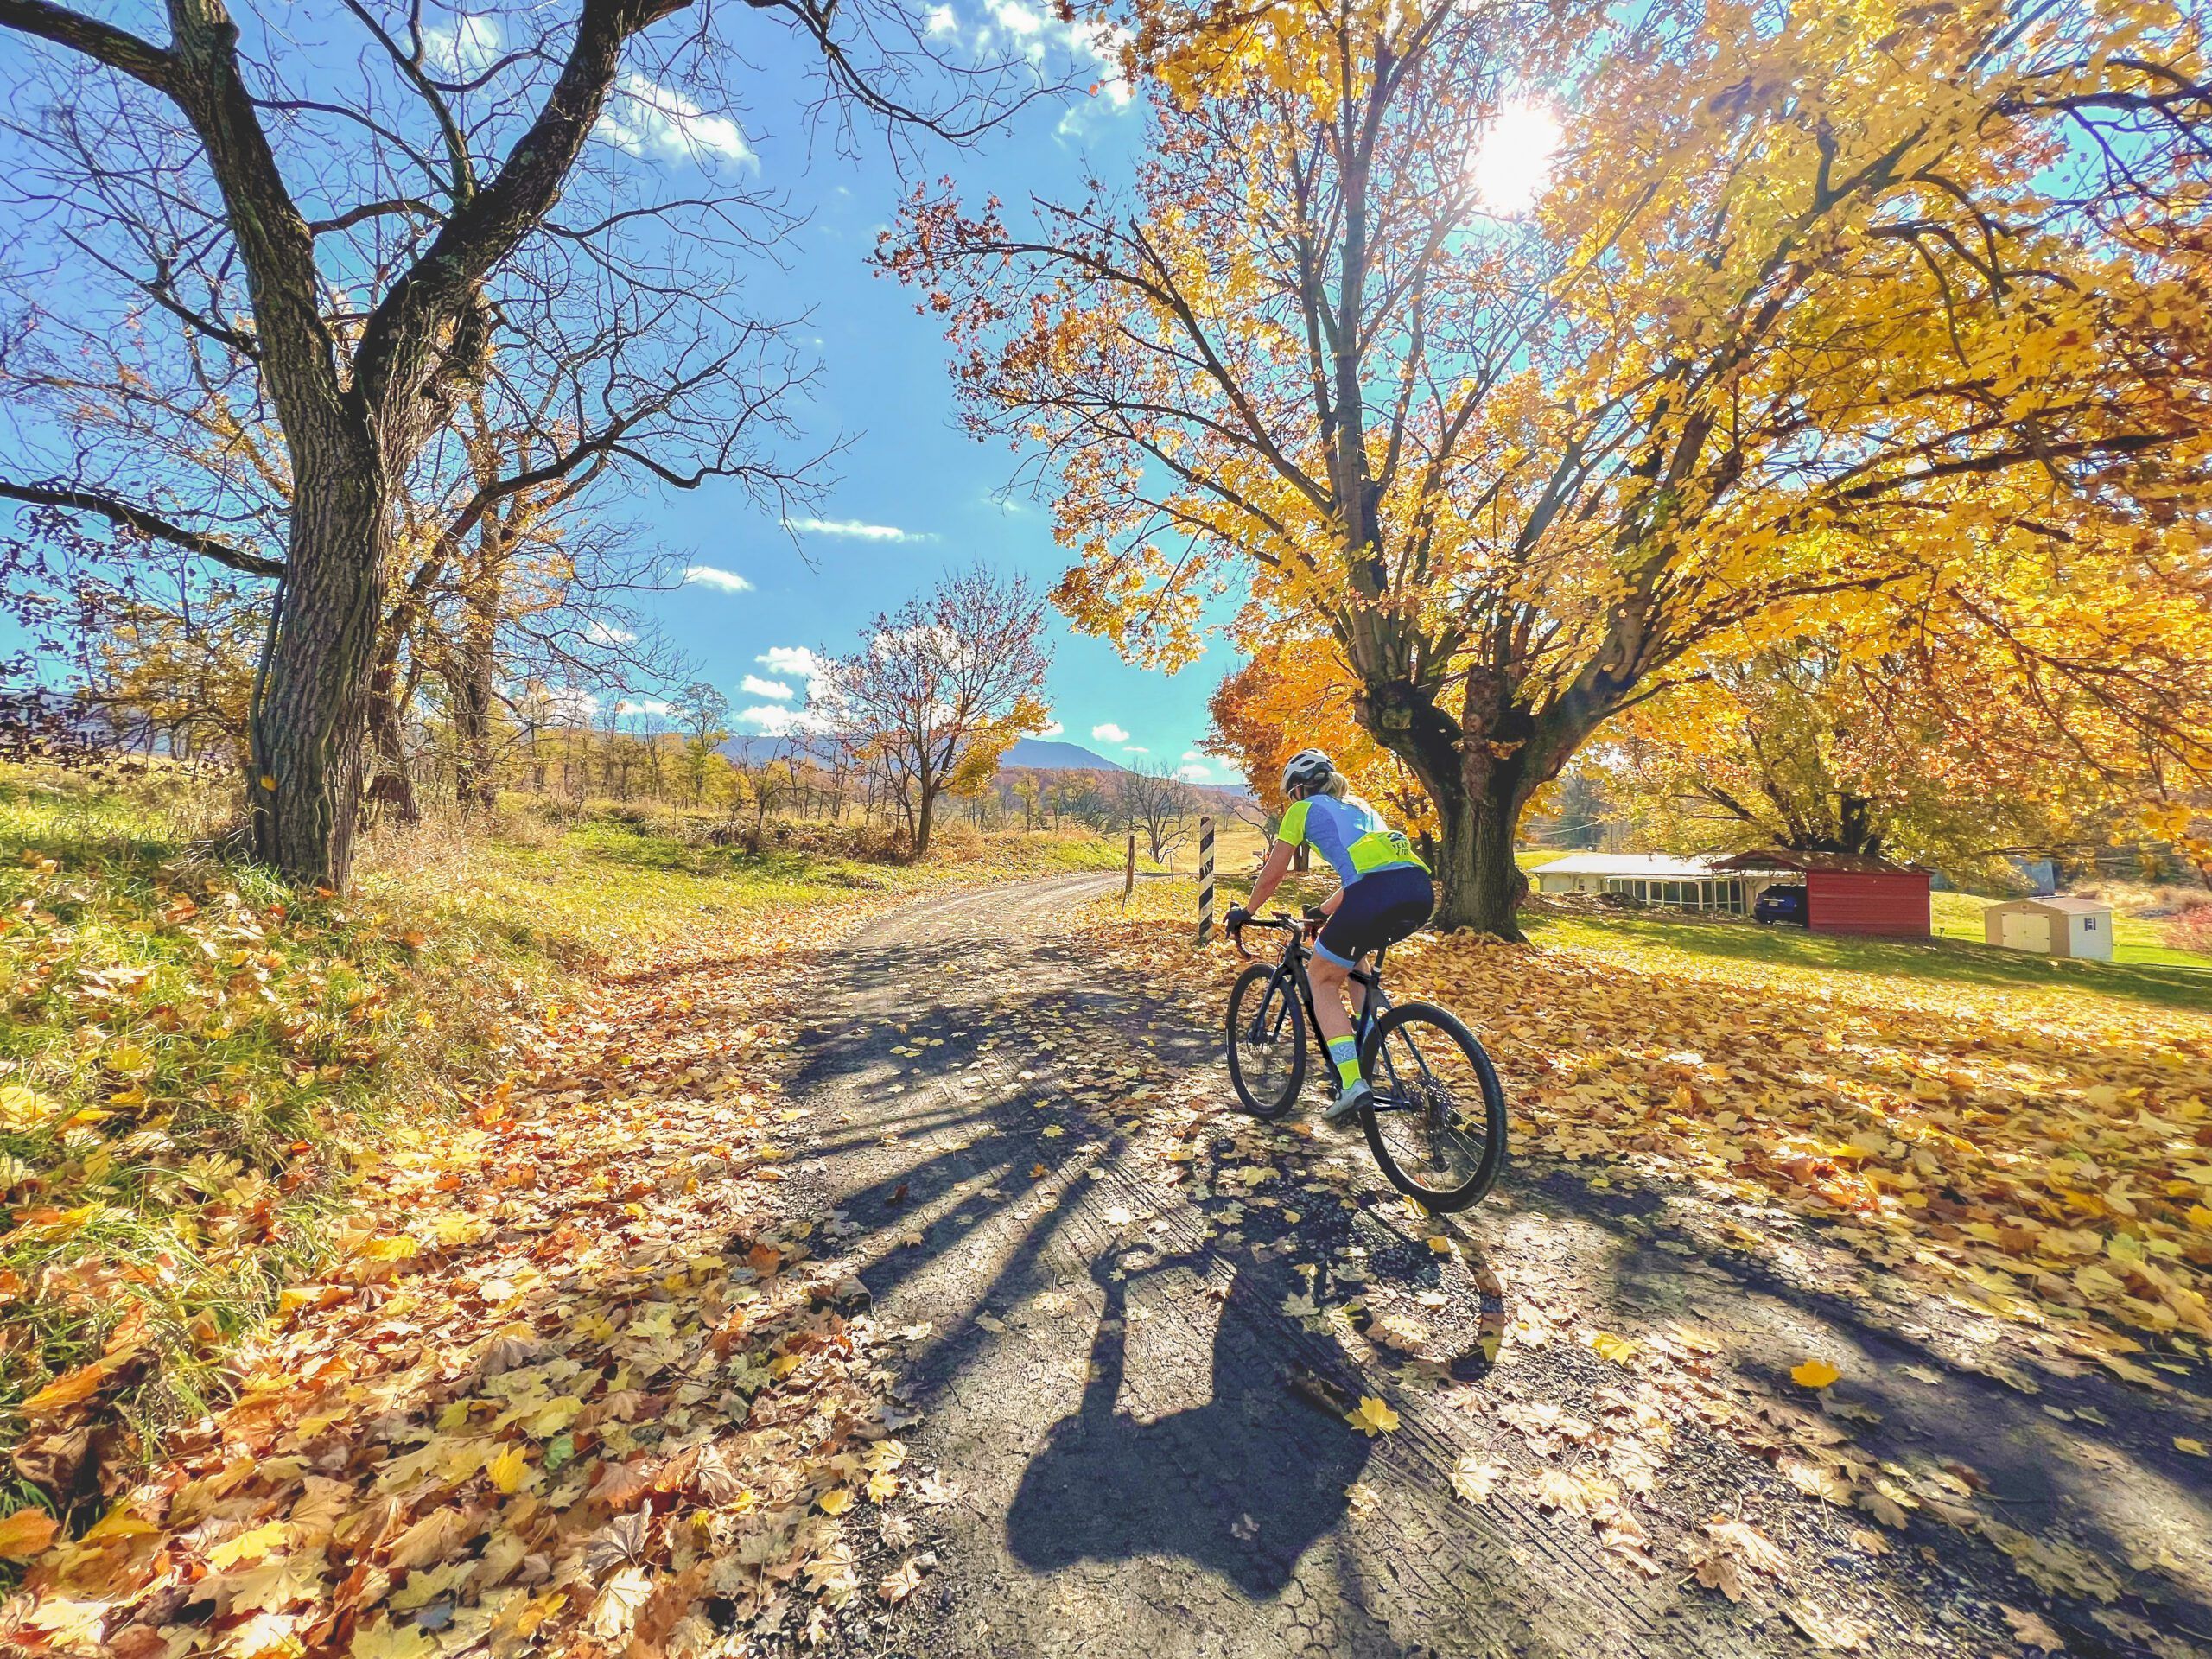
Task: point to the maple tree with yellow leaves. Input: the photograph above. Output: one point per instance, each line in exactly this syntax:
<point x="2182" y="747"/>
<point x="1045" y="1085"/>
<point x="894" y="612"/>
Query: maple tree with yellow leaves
<point x="1870" y="307"/>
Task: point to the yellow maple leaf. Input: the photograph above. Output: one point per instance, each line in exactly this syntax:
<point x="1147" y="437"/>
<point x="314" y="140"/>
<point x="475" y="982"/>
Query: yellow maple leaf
<point x="882" y="1486"/>
<point x="2196" y="1448"/>
<point x="118" y="1522"/>
<point x="1619" y="1349"/>
<point x="1371" y="1417"/>
<point x="836" y="1501"/>
<point x="507" y="1471"/>
<point x="1814" y="1374"/>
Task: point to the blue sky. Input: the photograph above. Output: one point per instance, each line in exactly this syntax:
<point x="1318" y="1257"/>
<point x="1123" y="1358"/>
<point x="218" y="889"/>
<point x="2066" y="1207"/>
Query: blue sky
<point x="916" y="494"/>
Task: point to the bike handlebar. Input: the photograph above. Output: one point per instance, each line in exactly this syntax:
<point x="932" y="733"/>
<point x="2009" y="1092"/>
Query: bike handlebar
<point x="1281" y="920"/>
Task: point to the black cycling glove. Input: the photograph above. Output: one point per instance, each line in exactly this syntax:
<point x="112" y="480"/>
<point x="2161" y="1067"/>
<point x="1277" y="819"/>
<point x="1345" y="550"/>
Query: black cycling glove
<point x="1236" y="918"/>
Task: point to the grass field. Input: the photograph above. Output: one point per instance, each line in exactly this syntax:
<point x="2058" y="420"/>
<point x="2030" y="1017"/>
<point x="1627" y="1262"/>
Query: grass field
<point x="2145" y="973"/>
<point x="197" y="1063"/>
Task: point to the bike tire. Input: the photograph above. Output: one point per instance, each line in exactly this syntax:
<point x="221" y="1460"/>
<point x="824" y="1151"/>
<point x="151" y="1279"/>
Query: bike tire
<point x="1440" y="1025"/>
<point x="1263" y="1098"/>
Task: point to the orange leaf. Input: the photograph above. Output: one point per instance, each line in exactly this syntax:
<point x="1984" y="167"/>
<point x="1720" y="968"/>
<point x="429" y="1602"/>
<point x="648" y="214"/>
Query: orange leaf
<point x="73" y="1390"/>
<point x="24" y="1533"/>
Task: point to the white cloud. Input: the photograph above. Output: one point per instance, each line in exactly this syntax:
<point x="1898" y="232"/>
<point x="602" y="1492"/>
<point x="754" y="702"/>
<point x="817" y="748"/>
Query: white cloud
<point x="1052" y="730"/>
<point x="790" y="659"/>
<point x="1135" y="748"/>
<point x="1010" y="27"/>
<point x="1512" y="163"/>
<point x="1109" y="732"/>
<point x="706" y="576"/>
<point x="854" y="527"/>
<point x="1191" y="774"/>
<point x="643" y="117"/>
<point x="606" y="634"/>
<point x="465" y="50"/>
<point x="641" y="705"/>
<point x="753" y="686"/>
<point x="778" y="719"/>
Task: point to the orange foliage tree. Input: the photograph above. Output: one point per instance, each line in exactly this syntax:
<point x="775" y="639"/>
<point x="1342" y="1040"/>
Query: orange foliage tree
<point x="1821" y="309"/>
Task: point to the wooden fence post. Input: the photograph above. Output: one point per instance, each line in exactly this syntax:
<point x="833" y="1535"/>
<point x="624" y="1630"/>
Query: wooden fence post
<point x="1129" y="872"/>
<point x="1205" y="879"/>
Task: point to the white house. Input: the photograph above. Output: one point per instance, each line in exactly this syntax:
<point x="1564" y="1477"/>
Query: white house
<point x="1653" y="879"/>
<point x="2057" y="925"/>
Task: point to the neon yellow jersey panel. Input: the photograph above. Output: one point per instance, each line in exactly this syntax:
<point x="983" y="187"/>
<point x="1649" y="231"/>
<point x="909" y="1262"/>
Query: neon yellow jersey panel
<point x="1350" y="834"/>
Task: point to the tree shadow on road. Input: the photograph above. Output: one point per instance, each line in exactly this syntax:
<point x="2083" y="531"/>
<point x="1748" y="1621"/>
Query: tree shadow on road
<point x="1110" y="1484"/>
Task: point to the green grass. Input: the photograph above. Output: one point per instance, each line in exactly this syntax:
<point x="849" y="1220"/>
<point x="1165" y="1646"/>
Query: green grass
<point x="196" y="1061"/>
<point x="2185" y="982"/>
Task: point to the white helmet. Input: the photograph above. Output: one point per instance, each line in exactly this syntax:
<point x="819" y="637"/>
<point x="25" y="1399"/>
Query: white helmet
<point x="1307" y="770"/>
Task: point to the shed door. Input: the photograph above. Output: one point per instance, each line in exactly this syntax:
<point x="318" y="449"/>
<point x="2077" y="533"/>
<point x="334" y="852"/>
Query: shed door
<point x="2027" y="930"/>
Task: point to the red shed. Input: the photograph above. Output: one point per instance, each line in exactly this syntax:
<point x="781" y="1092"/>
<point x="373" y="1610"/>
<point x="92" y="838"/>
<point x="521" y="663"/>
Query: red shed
<point x="1850" y="892"/>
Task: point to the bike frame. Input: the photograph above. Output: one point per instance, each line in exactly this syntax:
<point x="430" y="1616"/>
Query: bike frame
<point x="1373" y="1003"/>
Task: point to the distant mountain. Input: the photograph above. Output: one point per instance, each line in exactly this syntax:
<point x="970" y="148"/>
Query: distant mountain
<point x="748" y="751"/>
<point x="1042" y="754"/>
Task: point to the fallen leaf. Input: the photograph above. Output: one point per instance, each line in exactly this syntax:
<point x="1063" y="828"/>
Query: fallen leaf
<point x="619" y="1600"/>
<point x="25" y="1533"/>
<point x="2029" y="1630"/>
<point x="1371" y="1417"/>
<point x="1814" y="1374"/>
<point x="1474" y="1479"/>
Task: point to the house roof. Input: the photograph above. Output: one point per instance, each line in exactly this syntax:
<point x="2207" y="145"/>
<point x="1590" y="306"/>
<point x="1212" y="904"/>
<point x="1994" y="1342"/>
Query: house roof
<point x="1648" y="866"/>
<point x="1781" y="858"/>
<point x="2065" y="902"/>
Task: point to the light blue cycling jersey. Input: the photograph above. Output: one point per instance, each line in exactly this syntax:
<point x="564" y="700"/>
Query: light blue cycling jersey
<point x="1350" y="834"/>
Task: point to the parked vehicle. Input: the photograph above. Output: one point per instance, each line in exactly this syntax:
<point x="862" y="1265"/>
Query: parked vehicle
<point x="1780" y="903"/>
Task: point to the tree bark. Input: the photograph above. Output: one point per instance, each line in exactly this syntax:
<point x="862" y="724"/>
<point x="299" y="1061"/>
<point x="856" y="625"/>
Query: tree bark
<point x="393" y="784"/>
<point x="476" y="789"/>
<point x="310" y="728"/>
<point x="924" y="818"/>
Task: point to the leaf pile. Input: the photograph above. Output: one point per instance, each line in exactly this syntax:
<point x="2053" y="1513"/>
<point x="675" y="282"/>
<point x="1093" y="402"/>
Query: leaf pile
<point x="568" y="1381"/>
<point x="2046" y="1163"/>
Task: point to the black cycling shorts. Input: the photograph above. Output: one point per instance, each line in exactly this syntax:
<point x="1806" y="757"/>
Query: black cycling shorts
<point x="1377" y="910"/>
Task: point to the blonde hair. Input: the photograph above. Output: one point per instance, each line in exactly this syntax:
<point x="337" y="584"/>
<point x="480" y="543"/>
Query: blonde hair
<point x="1337" y="785"/>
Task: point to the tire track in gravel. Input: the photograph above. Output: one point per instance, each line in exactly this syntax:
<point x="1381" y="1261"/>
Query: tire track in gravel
<point x="1105" y="1378"/>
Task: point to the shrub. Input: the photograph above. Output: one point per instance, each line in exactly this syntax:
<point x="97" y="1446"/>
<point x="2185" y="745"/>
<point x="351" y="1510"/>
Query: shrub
<point x="2191" y="929"/>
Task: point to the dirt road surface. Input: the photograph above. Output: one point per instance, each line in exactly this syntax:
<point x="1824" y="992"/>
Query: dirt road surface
<point x="1112" y="1294"/>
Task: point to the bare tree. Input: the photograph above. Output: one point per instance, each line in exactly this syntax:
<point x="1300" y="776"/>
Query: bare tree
<point x="940" y="689"/>
<point x="352" y="251"/>
<point x="1154" y="801"/>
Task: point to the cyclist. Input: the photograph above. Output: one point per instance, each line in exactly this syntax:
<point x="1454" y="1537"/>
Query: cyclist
<point x="1385" y="896"/>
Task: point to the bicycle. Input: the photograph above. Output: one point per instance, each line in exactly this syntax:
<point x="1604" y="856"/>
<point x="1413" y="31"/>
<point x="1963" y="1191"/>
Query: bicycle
<point x="1437" y="1122"/>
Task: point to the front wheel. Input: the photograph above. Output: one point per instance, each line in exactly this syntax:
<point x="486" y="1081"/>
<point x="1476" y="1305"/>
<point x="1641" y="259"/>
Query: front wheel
<point x="1266" y="1040"/>
<point x="1437" y="1126"/>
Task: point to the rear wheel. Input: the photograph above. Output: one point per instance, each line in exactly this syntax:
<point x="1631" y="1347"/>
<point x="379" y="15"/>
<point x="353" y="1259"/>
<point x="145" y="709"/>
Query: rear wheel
<point x="1437" y="1126"/>
<point x="1266" y="1040"/>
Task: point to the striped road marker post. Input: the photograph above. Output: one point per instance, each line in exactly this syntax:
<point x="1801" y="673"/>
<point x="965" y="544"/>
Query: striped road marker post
<point x="1205" y="879"/>
<point x="1129" y="874"/>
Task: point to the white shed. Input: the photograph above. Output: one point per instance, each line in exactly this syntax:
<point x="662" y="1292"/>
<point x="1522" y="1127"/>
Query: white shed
<point x="2057" y="925"/>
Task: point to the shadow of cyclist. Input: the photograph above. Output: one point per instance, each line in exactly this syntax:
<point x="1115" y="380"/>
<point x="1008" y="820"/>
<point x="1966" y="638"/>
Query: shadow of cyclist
<point x="1243" y="1484"/>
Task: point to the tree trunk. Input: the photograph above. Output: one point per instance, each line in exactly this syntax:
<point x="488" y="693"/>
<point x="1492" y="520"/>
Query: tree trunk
<point x="476" y="789"/>
<point x="924" y="819"/>
<point x="1479" y="775"/>
<point x="311" y="724"/>
<point x="392" y="784"/>
<point x="1481" y="886"/>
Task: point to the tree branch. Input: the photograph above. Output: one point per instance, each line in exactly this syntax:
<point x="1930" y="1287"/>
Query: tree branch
<point x="145" y="524"/>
